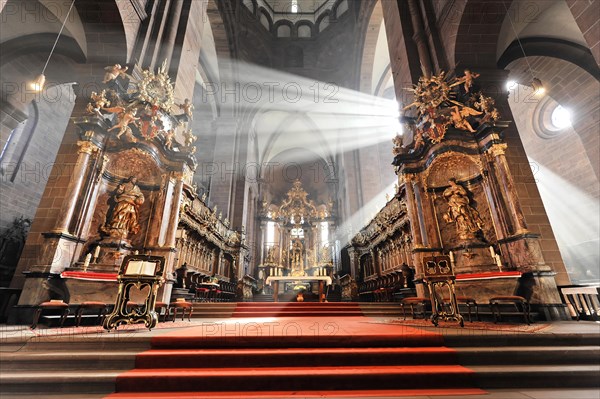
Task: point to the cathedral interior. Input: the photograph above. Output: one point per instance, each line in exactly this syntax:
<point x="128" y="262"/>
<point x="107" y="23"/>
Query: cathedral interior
<point x="344" y="158"/>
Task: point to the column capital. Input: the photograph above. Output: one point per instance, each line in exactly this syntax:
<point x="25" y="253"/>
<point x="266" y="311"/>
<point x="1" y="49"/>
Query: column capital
<point x="497" y="150"/>
<point x="87" y="147"/>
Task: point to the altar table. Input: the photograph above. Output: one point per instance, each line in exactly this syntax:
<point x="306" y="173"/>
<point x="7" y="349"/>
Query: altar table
<point x="276" y="279"/>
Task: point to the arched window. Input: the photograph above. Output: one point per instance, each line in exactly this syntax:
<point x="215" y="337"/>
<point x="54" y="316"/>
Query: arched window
<point x="284" y="31"/>
<point x="304" y="31"/>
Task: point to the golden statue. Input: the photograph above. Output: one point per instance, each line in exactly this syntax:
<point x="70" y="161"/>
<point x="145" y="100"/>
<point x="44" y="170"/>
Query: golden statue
<point x="467" y="219"/>
<point x="325" y="255"/>
<point x="297" y="259"/>
<point x="123" y="220"/>
<point x="270" y="255"/>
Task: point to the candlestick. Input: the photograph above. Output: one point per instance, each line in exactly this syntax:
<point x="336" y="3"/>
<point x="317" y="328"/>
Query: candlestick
<point x="451" y="256"/>
<point x="492" y="252"/>
<point x="86" y="261"/>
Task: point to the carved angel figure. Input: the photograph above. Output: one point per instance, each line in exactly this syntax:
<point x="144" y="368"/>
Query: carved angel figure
<point x="97" y="102"/>
<point x="187" y="107"/>
<point x="460" y="115"/>
<point x="189" y="138"/>
<point x="125" y="117"/>
<point x="113" y="72"/>
<point x="467" y="80"/>
<point x="169" y="139"/>
<point x="488" y="106"/>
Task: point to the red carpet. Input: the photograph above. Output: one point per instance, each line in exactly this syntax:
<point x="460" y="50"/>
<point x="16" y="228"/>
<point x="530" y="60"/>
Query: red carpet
<point x="296" y="309"/>
<point x="296" y="357"/>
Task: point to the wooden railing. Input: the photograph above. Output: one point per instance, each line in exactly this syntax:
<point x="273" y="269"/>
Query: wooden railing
<point x="583" y="302"/>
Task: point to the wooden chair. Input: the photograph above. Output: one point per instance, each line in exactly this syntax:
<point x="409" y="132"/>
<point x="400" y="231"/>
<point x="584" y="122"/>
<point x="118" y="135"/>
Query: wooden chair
<point x="184" y="306"/>
<point x="158" y="308"/>
<point x="515" y="300"/>
<point x="63" y="307"/>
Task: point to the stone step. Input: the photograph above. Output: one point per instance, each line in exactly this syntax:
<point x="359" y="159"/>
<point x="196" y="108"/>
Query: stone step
<point x="295" y="378"/>
<point x="92" y="360"/>
<point x="537" y="376"/>
<point x="296" y="357"/>
<point x="58" y="381"/>
<point x="529" y="355"/>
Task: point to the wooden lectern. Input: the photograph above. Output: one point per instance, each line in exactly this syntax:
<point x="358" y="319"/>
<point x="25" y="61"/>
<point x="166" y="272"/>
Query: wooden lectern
<point x="139" y="271"/>
<point x="439" y="276"/>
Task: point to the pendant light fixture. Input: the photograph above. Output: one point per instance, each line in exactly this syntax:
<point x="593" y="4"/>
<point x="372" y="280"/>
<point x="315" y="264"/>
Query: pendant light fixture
<point x="37" y="85"/>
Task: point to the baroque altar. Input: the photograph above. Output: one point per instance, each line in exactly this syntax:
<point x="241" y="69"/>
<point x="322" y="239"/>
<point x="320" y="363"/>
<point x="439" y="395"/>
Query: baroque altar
<point x="456" y="197"/>
<point x="296" y="237"/>
<point x="132" y="192"/>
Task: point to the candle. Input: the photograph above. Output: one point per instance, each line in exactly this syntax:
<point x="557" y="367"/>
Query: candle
<point x="492" y="252"/>
<point x="451" y="256"/>
<point x="97" y="252"/>
<point x="86" y="261"/>
<point x="499" y="262"/>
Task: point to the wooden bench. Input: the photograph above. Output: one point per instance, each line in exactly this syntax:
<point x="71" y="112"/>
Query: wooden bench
<point x="515" y="300"/>
<point x="101" y="307"/>
<point x="469" y="302"/>
<point x="414" y="303"/>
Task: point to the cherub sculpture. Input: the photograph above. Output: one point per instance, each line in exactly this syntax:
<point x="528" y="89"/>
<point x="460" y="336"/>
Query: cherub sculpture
<point x="398" y="148"/>
<point x="169" y="139"/>
<point x="113" y="72"/>
<point x="487" y="105"/>
<point x="466" y="80"/>
<point x="189" y="138"/>
<point x="187" y="107"/>
<point x="98" y="102"/>
<point x="125" y="117"/>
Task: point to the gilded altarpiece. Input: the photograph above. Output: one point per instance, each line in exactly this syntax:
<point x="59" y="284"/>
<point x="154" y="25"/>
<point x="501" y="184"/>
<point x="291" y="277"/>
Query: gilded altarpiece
<point x="131" y="192"/>
<point x="460" y="198"/>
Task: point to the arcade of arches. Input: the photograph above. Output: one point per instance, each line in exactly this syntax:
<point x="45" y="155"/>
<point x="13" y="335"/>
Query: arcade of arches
<point x="247" y="140"/>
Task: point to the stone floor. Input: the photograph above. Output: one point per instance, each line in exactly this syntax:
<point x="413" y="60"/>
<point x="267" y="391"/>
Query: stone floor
<point x="12" y="338"/>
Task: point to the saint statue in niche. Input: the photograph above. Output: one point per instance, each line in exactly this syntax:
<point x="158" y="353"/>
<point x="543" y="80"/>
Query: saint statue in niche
<point x="124" y="218"/>
<point x="461" y="213"/>
<point x="297" y="258"/>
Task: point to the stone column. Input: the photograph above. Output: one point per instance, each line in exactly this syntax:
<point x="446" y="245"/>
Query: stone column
<point x="86" y="148"/>
<point x="415" y="224"/>
<point x="353" y="255"/>
<point x="168" y="42"/>
<point x="420" y="37"/>
<point x="431" y="229"/>
<point x="496" y="151"/>
<point x="490" y="187"/>
<point x="174" y="214"/>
